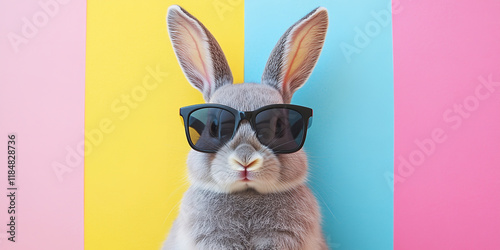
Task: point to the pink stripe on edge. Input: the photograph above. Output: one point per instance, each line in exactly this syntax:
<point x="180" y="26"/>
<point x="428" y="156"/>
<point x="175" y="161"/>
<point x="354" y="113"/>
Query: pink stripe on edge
<point x="42" y="88"/>
<point x="447" y="124"/>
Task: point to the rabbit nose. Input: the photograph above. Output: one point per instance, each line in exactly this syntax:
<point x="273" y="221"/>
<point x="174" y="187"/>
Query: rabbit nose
<point x="245" y="157"/>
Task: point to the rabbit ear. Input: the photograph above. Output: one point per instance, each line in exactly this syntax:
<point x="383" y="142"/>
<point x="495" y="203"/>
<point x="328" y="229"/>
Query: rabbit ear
<point x="296" y="53"/>
<point x="197" y="51"/>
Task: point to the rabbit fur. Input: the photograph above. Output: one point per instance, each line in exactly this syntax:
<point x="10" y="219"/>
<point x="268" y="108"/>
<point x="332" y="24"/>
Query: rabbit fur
<point x="276" y="209"/>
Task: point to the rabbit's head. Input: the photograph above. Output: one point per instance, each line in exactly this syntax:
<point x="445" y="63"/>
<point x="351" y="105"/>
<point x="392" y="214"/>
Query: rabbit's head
<point x="243" y="162"/>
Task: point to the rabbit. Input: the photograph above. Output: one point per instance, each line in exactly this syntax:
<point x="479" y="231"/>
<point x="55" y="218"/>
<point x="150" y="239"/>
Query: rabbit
<point x="276" y="209"/>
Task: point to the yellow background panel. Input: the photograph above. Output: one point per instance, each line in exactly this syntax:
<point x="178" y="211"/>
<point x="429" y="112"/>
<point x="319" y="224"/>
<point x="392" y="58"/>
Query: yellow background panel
<point x="136" y="149"/>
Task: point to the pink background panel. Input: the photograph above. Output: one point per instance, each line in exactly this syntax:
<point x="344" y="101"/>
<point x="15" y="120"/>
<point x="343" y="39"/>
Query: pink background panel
<point x="42" y="87"/>
<point x="447" y="124"/>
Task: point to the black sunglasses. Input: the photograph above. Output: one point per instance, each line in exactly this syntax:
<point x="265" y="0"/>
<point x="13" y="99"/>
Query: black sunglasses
<point x="281" y="127"/>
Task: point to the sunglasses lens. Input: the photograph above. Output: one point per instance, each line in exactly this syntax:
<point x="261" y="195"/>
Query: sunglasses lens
<point x="281" y="129"/>
<point x="210" y="128"/>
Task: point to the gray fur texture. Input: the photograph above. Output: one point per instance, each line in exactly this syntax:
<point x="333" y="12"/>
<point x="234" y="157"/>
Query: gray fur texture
<point x="275" y="209"/>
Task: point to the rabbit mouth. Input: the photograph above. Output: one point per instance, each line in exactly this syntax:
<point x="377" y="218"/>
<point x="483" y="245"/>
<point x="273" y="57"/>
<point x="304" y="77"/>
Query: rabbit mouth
<point x="244" y="175"/>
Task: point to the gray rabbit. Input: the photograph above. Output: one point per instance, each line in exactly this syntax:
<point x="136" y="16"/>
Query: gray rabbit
<point x="244" y="195"/>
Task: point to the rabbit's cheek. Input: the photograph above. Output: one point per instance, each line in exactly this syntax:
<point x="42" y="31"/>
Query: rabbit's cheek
<point x="294" y="166"/>
<point x="198" y="164"/>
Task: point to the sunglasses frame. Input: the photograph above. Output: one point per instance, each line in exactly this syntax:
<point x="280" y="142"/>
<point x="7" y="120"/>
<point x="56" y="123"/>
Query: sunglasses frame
<point x="239" y="116"/>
